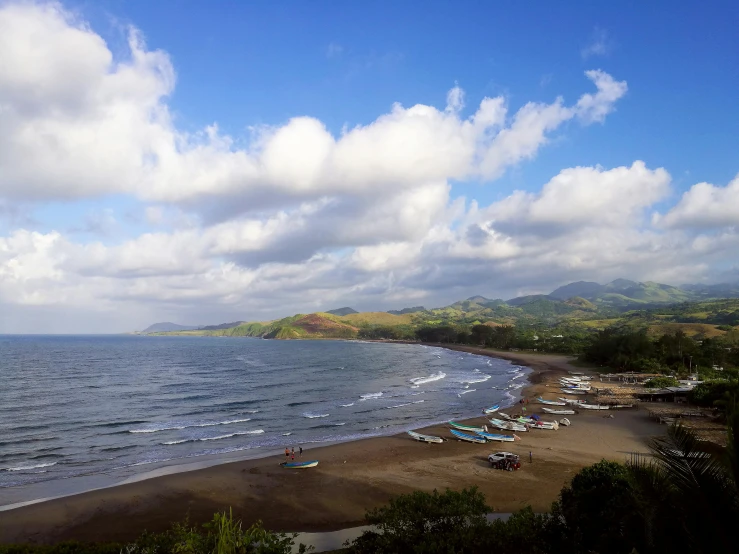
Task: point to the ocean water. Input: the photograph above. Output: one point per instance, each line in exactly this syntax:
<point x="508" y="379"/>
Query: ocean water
<point x="73" y="407"/>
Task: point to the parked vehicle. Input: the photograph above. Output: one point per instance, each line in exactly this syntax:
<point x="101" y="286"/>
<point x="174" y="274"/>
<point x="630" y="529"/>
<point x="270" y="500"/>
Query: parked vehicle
<point x="505" y="460"/>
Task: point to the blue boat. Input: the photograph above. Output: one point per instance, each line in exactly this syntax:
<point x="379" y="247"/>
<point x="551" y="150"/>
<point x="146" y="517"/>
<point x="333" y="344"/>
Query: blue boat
<point x="465" y="437"/>
<point x="496" y="437"/>
<point x="299" y="465"/>
<point x="492" y="409"/>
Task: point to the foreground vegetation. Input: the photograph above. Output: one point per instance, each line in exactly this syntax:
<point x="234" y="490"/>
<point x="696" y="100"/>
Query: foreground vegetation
<point x="685" y="499"/>
<point x="222" y="535"/>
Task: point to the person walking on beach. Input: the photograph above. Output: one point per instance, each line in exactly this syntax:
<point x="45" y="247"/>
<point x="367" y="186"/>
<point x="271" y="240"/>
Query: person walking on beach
<point x="301" y="451"/>
<point x="531" y="457"/>
<point x="287" y="453"/>
<point x="293" y="455"/>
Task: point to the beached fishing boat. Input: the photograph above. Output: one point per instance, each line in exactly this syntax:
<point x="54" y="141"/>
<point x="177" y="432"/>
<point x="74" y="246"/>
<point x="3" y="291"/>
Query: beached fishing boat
<point x="425" y="438"/>
<point x="496" y="437"/>
<point x="577" y="386"/>
<point x="507" y="425"/>
<point x="564" y="421"/>
<point x="594" y="406"/>
<point x="506" y="416"/>
<point x="469" y="428"/>
<point x="299" y="465"/>
<point x="559" y="412"/>
<point x="573" y="391"/>
<point x="491" y="409"/>
<point x="539" y="424"/>
<point x="573" y="402"/>
<point x="550" y="402"/>
<point x="469" y="438"/>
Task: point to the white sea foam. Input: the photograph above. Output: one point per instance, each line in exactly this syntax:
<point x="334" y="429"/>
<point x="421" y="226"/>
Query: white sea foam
<point x="339" y="424"/>
<point x="237" y="434"/>
<point x="179" y="426"/>
<point x="418" y="401"/>
<point x="287" y="434"/>
<point x="347" y="405"/>
<point x="429" y="379"/>
<point x="465" y="392"/>
<point x="398" y="406"/>
<point x="223" y="422"/>
<point x="310" y="415"/>
<point x="27" y="467"/>
<point x="479" y="378"/>
<point x="369" y="396"/>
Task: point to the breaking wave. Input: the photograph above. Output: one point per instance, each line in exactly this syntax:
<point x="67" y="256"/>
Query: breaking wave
<point x="430" y="379"/>
<point x="27" y="467"/>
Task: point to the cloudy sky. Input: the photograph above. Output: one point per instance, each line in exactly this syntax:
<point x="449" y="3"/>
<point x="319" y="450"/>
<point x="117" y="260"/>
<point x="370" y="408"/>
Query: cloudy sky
<point x="175" y="161"/>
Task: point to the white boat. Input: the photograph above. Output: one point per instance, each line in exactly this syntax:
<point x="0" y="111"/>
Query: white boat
<point x="573" y="401"/>
<point x="506" y="416"/>
<point x="539" y="424"/>
<point x="491" y="409"/>
<point x="564" y="421"/>
<point x="573" y="391"/>
<point x="507" y="425"/>
<point x="578" y="386"/>
<point x="595" y="406"/>
<point x="496" y="437"/>
<point x="550" y="402"/>
<point x="559" y="412"/>
<point x="622" y="406"/>
<point x="425" y="438"/>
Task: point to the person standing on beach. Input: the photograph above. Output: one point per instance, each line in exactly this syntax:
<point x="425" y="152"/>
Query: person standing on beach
<point x="287" y="453"/>
<point x="531" y="457"/>
<point x="301" y="451"/>
<point x="293" y="455"/>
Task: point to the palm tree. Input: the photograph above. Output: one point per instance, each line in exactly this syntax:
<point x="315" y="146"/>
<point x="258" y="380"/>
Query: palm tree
<point x="689" y="497"/>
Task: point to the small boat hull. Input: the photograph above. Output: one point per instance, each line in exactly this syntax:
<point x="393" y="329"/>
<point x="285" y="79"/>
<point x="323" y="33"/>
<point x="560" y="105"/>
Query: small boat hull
<point x="468" y="428"/>
<point x="573" y="391"/>
<point x="492" y="409"/>
<point x="550" y="402"/>
<point x="594" y="406"/>
<point x="425" y="438"/>
<point x="469" y="438"/>
<point x="299" y="465"/>
<point x="559" y="412"/>
<point x="496" y="437"/>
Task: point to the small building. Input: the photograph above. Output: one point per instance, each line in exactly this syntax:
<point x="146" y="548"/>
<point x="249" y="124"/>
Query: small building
<point x="678" y="395"/>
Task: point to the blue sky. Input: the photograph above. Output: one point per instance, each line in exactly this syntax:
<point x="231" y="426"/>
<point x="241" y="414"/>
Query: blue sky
<point x="252" y="67"/>
<point x="249" y="63"/>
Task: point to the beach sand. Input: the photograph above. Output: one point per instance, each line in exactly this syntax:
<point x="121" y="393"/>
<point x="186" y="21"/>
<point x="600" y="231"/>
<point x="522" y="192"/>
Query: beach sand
<point x="351" y="477"/>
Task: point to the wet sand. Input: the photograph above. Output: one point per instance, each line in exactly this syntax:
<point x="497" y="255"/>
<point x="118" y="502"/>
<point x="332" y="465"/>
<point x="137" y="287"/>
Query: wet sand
<point x="351" y="477"/>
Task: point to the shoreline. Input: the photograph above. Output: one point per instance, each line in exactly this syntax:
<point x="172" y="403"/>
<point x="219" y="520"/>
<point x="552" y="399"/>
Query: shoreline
<point x="353" y="477"/>
<point x="66" y="488"/>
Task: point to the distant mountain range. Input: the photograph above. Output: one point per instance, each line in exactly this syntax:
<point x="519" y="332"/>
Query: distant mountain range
<point x="168" y="327"/>
<point x="581" y="300"/>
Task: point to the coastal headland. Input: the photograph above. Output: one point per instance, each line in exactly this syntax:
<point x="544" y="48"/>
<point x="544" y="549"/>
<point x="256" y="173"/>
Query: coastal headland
<point x="351" y="477"/>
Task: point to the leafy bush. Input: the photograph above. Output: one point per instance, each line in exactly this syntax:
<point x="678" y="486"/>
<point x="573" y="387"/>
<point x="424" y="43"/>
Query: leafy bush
<point x="713" y="393"/>
<point x="222" y="535"/>
<point x="420" y="522"/>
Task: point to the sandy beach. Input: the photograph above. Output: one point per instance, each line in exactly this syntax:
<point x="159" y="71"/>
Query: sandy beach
<point x="351" y="478"/>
